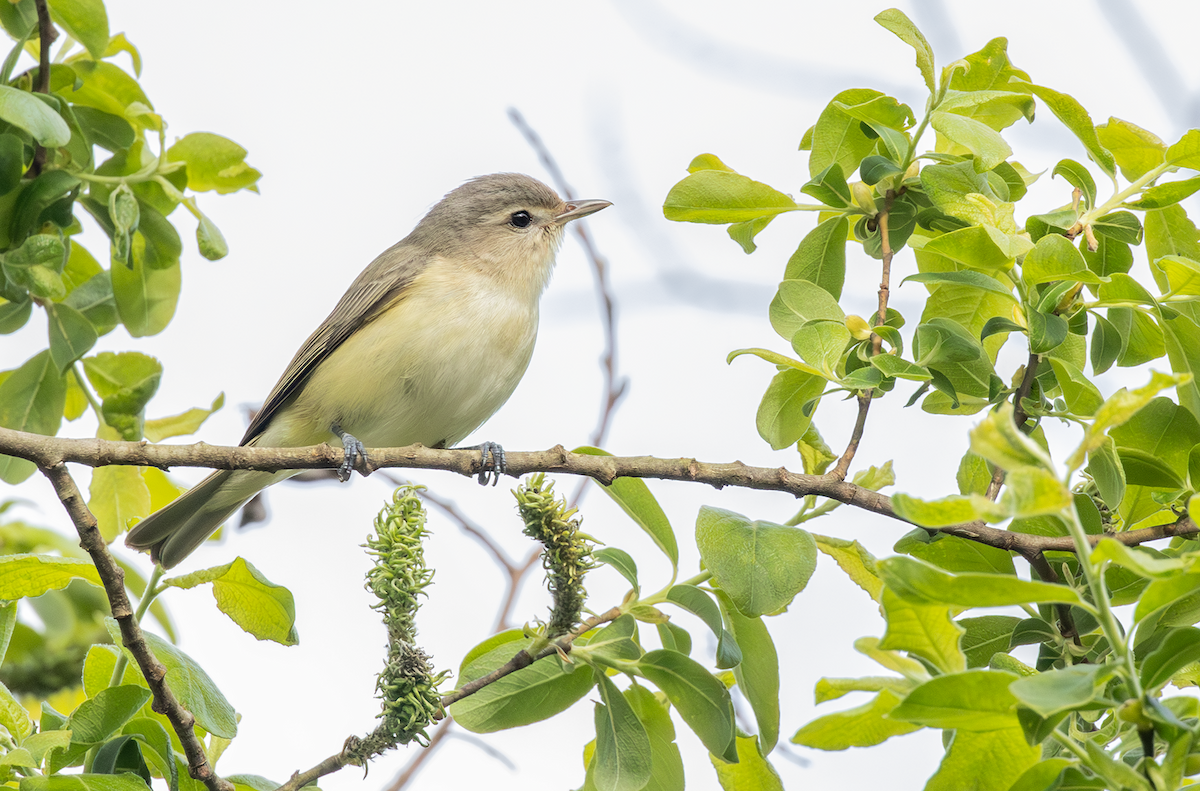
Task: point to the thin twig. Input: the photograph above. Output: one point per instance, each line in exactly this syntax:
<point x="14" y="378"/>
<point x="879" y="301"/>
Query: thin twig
<point x="414" y="766"/>
<point x="113" y="577"/>
<point x="46" y="452"/>
<point x="524" y="659"/>
<point x="842" y="468"/>
<point x="614" y="386"/>
<point x="1019" y="417"/>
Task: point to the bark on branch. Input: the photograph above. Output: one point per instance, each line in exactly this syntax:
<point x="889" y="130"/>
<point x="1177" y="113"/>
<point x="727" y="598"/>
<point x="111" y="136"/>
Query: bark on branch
<point x="49" y="452"/>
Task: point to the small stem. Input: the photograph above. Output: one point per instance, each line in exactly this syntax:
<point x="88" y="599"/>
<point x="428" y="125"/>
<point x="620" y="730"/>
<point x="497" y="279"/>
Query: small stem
<point x="1108" y="621"/>
<point x="81" y="380"/>
<point x="152" y="590"/>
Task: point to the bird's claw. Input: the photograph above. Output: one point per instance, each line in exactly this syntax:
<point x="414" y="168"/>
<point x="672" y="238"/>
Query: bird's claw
<point x="498" y="466"/>
<point x="352" y="448"/>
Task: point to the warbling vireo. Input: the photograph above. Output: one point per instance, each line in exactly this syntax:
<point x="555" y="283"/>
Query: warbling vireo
<point x="427" y="343"/>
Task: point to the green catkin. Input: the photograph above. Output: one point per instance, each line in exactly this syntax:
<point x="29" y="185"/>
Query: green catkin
<point x="407" y="685"/>
<point x="567" y="555"/>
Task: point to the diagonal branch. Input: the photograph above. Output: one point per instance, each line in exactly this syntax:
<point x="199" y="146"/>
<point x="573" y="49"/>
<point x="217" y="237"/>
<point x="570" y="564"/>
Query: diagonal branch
<point x="113" y="576"/>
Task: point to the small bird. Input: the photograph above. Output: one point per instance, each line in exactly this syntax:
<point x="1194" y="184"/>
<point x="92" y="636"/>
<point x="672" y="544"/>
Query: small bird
<point x="426" y="344"/>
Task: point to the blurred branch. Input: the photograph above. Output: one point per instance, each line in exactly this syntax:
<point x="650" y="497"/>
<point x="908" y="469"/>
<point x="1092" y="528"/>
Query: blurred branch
<point x="614" y="386"/>
<point x="113" y="577"/>
<point x="48" y="452"/>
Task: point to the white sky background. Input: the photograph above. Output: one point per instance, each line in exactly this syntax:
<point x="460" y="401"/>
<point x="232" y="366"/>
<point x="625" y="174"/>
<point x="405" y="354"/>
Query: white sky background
<point x="361" y="118"/>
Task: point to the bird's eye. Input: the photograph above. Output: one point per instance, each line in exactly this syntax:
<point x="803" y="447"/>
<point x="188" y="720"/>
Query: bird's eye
<point x="520" y="219"/>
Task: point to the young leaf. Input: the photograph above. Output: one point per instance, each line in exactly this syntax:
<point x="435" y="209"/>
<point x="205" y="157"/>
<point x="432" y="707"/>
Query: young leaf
<point x="762" y="566"/>
<point x="975" y="700"/>
<point x="719" y="196"/>
<point x="758" y="673"/>
<point x="821" y="256"/>
<point x="257" y="605"/>
<point x="1064" y="689"/>
<point x="25" y="576"/>
<point x="1076" y="119"/>
<point x="31" y="399"/>
<point x="922" y="630"/>
<point x="862" y="726"/>
<point x="622" y="758"/>
<point x="697" y="602"/>
<point x="752" y="769"/>
<point x="531" y="694"/>
<point x="100" y="717"/>
<point x="701" y="699"/>
<point x="897" y="22"/>
<point x="921" y="583"/>
<point x="787" y="407"/>
<point x="635" y="499"/>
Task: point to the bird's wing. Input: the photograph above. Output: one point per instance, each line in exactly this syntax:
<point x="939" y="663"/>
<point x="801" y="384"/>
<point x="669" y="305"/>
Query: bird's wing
<point x="380" y="286"/>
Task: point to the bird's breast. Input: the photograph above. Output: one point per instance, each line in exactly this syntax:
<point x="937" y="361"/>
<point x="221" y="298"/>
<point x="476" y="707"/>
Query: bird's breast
<point x="430" y="369"/>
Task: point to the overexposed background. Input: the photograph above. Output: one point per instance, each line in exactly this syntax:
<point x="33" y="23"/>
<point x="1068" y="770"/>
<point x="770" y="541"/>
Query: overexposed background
<point x="361" y="116"/>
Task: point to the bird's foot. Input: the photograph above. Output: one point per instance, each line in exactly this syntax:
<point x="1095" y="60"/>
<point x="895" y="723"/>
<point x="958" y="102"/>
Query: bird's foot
<point x="352" y="448"/>
<point x="489" y="471"/>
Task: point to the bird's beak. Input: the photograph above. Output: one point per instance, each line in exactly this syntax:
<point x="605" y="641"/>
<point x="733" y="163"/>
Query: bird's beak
<point x="580" y="208"/>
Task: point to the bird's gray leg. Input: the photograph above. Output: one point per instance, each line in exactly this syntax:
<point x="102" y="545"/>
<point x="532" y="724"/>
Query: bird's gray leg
<point x="489" y="470"/>
<point x="352" y="447"/>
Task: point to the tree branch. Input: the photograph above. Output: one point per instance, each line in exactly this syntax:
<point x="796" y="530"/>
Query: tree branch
<point x="47" y="452"/>
<point x="46" y="36"/>
<point x="842" y="467"/>
<point x="523" y="659"/>
<point x="113" y="577"/>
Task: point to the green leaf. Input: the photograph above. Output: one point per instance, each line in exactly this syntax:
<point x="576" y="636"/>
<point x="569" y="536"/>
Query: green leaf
<point x="854" y="559"/>
<point x="1186" y="153"/>
<point x="94" y="300"/>
<point x="895" y="20"/>
<point x="1181" y="647"/>
<point x="922" y="583"/>
<point x="126" y="382"/>
<point x="697" y="602"/>
<point x="720" y="196"/>
<point x="1136" y="150"/>
<point x="71" y="335"/>
<point x="998" y="440"/>
<point x="108" y="131"/>
<point x="862" y="726"/>
<point x="966" y="278"/>
<point x="614" y="644"/>
<point x="1106" y="345"/>
<point x="214" y="163"/>
<point x="191" y="685"/>
<point x="985" y="144"/>
<point x="1082" y="397"/>
<point x="752" y="770"/>
<point x="1119" y="408"/>
<point x="1105" y="468"/>
<point x="762" y="566"/>
<point x="837" y="137"/>
<point x="118" y="495"/>
<point x="953" y="553"/>
<point x="701" y="699"/>
<point x="621" y="561"/>
<point x="923" y="630"/>
<point x="758" y="673"/>
<point x="1076" y="119"/>
<point x="829" y="186"/>
<point x="184" y="423"/>
<point x="25" y="576"/>
<point x="635" y="499"/>
<point x="985" y="636"/>
<point x="18" y="18"/>
<point x="532" y="694"/>
<point x="100" y="717"/>
<point x="257" y="605"/>
<point x="1166" y="194"/>
<point x="622" y="761"/>
<point x="977" y="247"/>
<point x="1162" y="592"/>
<point x="974" y="700"/>
<point x="86" y="21"/>
<point x="1064" y="689"/>
<point x="787" y="408"/>
<point x="1078" y="177"/>
<point x="1122" y="226"/>
<point x="989" y="761"/>
<point x="821" y="344"/>
<point x="1056" y="258"/>
<point x="145" y="296"/>
<point x="13" y="715"/>
<point x="23" y="110"/>
<point x="211" y="242"/>
<point x="666" y="765"/>
<point x="84" y="782"/>
<point x="798" y="302"/>
<point x="31" y="399"/>
<point x="821" y="256"/>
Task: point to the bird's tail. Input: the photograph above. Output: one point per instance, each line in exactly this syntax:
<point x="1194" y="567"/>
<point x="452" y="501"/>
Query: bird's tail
<point x="173" y="532"/>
